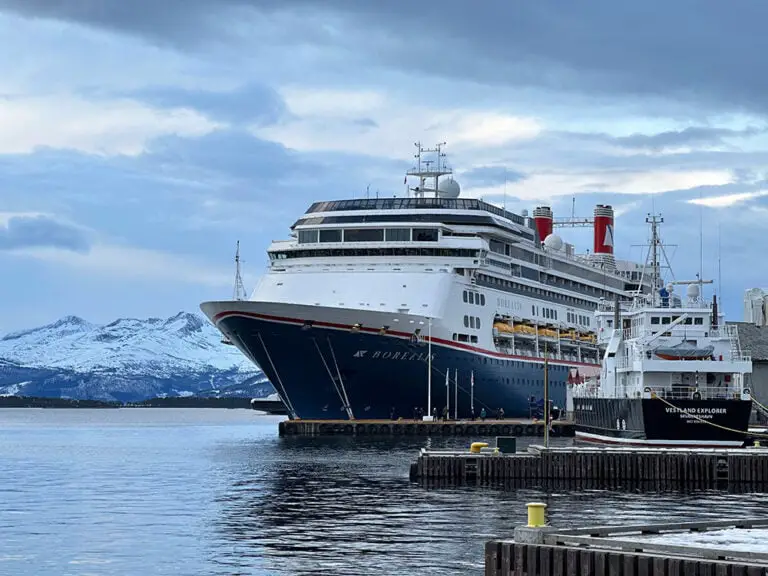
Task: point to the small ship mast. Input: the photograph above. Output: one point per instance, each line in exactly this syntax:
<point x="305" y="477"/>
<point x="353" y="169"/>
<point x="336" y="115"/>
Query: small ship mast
<point x="424" y="170"/>
<point x="238" y="292"/>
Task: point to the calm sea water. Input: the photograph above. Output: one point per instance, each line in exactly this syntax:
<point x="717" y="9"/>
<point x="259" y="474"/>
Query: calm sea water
<point x="198" y="492"/>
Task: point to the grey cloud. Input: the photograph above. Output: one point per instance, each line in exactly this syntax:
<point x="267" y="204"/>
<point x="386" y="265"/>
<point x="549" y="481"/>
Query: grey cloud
<point x="697" y="50"/>
<point x="692" y="136"/>
<point x="490" y="176"/>
<point x="40" y="231"/>
<point x="250" y="103"/>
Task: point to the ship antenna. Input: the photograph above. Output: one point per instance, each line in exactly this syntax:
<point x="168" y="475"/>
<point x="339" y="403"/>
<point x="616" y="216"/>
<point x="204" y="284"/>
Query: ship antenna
<point x="239" y="291"/>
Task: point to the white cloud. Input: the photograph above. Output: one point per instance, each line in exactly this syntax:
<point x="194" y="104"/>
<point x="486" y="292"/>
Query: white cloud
<point x="330" y="121"/>
<point x="727" y="200"/>
<point x="133" y="263"/>
<point x="546" y="185"/>
<point x="95" y="127"/>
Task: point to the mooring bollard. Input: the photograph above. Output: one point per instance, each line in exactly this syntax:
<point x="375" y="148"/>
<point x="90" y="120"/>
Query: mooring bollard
<point x="534" y="531"/>
<point x="537" y="514"/>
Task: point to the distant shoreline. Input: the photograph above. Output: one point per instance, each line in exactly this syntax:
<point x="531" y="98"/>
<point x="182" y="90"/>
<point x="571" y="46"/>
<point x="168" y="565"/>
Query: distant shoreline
<point x="180" y="402"/>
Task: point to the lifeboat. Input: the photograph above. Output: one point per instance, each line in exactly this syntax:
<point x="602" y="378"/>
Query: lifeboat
<point x="503" y="327"/>
<point x="684" y="351"/>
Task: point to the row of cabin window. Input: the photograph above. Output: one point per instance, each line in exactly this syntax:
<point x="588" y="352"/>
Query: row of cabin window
<point x="474" y="298"/>
<point x="579" y="319"/>
<point x="472" y="322"/>
<point x="521" y="253"/>
<point x="369" y="235"/>
<point x="465" y="338"/>
<point x="549" y="313"/>
<point x="524" y="289"/>
<point x="374" y="252"/>
<point x="699" y="321"/>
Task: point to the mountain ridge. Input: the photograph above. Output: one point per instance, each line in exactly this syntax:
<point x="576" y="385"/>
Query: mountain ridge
<point x="128" y="359"/>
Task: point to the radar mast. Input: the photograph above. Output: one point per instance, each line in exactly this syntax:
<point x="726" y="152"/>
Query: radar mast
<point x="425" y="170"/>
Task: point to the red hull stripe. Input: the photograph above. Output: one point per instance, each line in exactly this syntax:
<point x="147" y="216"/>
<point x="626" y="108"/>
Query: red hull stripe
<point x="449" y="343"/>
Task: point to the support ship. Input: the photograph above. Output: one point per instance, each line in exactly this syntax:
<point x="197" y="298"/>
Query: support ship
<point x="673" y="373"/>
<point x="380" y="307"/>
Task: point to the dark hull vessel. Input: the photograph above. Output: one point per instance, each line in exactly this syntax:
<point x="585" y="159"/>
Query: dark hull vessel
<point x="662" y="422"/>
<point x="316" y="369"/>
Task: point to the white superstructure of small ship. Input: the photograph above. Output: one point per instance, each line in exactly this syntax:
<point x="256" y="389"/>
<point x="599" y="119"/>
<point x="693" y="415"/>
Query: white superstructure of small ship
<point x="673" y="373"/>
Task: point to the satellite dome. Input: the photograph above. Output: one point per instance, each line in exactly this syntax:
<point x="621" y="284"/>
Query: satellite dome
<point x="524" y="213"/>
<point x="553" y="242"/>
<point x="693" y="291"/>
<point x="448" y="189"/>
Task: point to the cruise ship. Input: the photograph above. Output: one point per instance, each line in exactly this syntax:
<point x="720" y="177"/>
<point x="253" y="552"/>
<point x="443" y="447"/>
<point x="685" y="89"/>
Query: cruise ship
<point x="390" y="307"/>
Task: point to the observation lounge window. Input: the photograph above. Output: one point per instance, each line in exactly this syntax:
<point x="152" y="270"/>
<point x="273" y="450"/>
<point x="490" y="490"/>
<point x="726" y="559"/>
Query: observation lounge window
<point x="364" y="235"/>
<point x="398" y="234"/>
<point x="330" y="235"/>
<point x="307" y="236"/>
<point x="425" y="235"/>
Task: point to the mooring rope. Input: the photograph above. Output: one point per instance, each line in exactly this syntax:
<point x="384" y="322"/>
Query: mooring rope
<point x="755" y="434"/>
<point x="763" y="409"/>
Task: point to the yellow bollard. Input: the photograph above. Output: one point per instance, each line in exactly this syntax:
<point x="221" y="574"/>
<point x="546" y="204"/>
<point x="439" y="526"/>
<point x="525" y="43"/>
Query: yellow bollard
<point x="475" y="447"/>
<point x="536" y="514"/>
<point x="757" y="443"/>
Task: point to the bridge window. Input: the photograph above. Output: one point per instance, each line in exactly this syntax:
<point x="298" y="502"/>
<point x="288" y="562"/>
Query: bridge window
<point x="464" y="296"/>
<point x="471" y="297"/>
<point x="698" y="321"/>
<point x="398" y="234"/>
<point x="654" y="319"/>
<point x="425" y="235"/>
<point x="466" y="321"/>
<point x="364" y="235"/>
<point x="307" y="236"/>
<point x="330" y="235"/>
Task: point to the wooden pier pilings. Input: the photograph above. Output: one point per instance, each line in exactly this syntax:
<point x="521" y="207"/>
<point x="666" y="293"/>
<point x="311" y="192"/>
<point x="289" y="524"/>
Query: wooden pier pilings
<point x="622" y="551"/>
<point x="618" y="468"/>
<point x="474" y="428"/>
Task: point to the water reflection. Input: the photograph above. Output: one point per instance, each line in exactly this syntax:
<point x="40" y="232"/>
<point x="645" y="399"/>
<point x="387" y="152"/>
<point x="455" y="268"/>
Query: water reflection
<point x="203" y="492"/>
<point x="346" y="506"/>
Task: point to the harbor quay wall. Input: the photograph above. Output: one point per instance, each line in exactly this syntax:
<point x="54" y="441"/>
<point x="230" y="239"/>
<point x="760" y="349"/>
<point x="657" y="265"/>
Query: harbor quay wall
<point x="474" y="428"/>
<point x="613" y="468"/>
<point x="620" y="550"/>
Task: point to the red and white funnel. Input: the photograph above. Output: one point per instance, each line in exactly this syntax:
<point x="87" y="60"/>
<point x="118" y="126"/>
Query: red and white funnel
<point x="603" y="239"/>
<point x="542" y="217"/>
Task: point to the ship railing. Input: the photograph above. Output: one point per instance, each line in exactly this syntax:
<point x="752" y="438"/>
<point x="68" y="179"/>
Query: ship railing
<point x="729" y="391"/>
<point x="639" y="353"/>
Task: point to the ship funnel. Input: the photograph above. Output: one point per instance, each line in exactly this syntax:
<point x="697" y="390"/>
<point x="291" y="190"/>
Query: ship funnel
<point x="603" y="237"/>
<point x="542" y="217"/>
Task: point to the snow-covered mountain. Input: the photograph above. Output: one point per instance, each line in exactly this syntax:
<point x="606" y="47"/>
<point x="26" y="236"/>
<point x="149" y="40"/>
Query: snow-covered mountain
<point x="126" y="360"/>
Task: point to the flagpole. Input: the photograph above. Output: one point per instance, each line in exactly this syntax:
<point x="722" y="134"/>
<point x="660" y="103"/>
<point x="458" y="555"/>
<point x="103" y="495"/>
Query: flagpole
<point x="429" y="369"/>
<point x="455" y="393"/>
<point x="546" y="398"/>
<point x="447" y="393"/>
<point x="472" y="391"/>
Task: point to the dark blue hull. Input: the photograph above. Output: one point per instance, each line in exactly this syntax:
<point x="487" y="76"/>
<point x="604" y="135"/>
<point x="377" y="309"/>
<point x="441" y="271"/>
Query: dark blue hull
<point x="385" y="375"/>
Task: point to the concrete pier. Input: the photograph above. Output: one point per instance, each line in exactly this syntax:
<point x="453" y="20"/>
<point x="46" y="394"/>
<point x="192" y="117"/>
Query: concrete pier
<point x="616" y="468"/>
<point x="475" y="428"/>
<point x="621" y="550"/>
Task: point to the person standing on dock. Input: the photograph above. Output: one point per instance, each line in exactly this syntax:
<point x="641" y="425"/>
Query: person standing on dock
<point x="501" y="413"/>
<point x="445" y="413"/>
<point x="482" y="414"/>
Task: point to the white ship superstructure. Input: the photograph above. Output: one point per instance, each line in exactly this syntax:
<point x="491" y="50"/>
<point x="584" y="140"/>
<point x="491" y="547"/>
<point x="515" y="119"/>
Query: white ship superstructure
<point x="372" y="298"/>
<point x="673" y="373"/>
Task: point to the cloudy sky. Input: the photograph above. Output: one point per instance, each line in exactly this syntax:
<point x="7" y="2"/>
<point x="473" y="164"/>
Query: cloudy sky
<point x="140" y="140"/>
